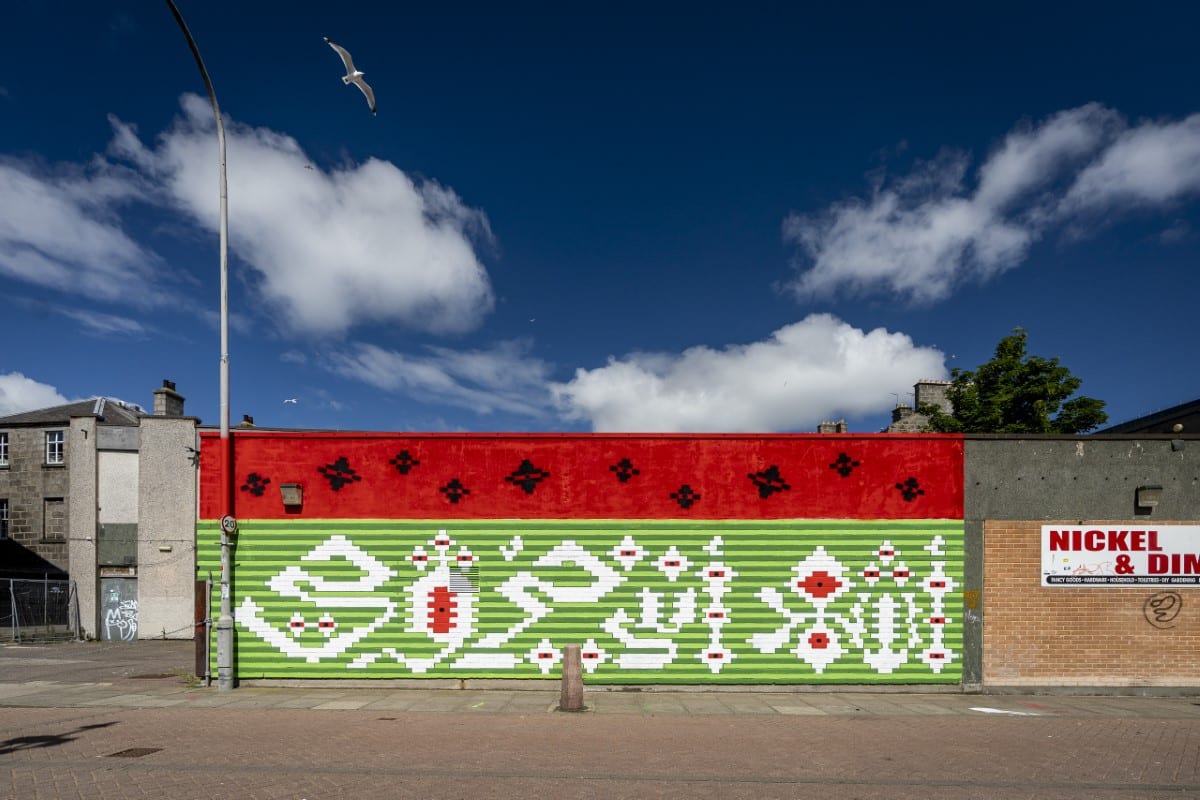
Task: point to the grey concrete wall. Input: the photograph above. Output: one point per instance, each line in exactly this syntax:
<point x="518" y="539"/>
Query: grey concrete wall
<point x="116" y="437"/>
<point x="167" y="504"/>
<point x="82" y="515"/>
<point x="1065" y="478"/>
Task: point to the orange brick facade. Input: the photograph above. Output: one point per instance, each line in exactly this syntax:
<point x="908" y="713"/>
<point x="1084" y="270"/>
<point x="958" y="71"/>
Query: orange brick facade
<point x="1074" y="636"/>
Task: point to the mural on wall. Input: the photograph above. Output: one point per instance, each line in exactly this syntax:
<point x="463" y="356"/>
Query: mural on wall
<point x="119" y="609"/>
<point x="720" y="602"/>
<point x="742" y="592"/>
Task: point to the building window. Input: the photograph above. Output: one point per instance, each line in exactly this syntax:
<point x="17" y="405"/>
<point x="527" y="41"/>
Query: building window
<point x="3" y="449"/>
<point x="3" y="518"/>
<point x="54" y="520"/>
<point x="54" y="447"/>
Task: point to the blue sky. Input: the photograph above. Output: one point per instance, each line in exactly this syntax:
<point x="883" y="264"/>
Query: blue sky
<point x="628" y="217"/>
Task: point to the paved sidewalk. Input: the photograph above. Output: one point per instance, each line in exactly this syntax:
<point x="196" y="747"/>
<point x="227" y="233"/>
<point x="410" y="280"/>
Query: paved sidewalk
<point x="120" y="721"/>
<point x="157" y="674"/>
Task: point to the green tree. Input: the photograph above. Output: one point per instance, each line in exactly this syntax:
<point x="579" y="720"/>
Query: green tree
<point x="1015" y="393"/>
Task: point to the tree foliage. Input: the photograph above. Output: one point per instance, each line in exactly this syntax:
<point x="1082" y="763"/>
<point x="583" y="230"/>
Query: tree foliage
<point x="1016" y="393"/>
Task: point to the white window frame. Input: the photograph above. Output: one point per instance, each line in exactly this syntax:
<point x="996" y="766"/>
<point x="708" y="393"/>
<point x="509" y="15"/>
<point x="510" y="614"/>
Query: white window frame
<point x="3" y="448"/>
<point x="3" y="518"/>
<point x="56" y="448"/>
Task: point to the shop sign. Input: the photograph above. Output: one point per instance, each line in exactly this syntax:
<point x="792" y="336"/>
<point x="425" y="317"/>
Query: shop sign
<point x="1120" y="554"/>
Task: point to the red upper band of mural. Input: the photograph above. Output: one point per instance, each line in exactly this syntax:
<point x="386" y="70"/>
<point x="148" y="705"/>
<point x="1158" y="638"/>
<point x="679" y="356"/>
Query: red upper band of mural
<point x="587" y="476"/>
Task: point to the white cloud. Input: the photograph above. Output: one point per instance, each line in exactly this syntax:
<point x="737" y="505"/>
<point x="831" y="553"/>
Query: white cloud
<point x="330" y="249"/>
<point x="1155" y="164"/>
<point x="921" y="235"/>
<point x="58" y="229"/>
<point x="101" y="324"/>
<point x="504" y="378"/>
<point x="813" y="370"/>
<point x="18" y="394"/>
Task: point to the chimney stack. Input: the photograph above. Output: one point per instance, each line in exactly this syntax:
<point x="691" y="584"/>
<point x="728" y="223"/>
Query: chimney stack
<point x="167" y="401"/>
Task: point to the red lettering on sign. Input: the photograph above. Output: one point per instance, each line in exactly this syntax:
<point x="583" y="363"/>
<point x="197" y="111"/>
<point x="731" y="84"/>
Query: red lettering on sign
<point x="1111" y="540"/>
<point x="1173" y="564"/>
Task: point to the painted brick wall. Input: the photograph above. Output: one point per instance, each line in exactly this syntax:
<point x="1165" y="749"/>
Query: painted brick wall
<point x="670" y="559"/>
<point x="1065" y="636"/>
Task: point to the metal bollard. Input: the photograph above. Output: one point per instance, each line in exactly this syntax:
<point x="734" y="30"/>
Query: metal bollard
<point x="571" y="698"/>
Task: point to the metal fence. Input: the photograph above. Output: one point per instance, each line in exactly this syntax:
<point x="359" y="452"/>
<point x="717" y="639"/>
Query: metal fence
<point x="38" y="609"/>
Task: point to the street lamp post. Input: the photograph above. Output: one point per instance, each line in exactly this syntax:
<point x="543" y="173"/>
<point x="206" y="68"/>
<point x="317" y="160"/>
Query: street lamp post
<point x="226" y="678"/>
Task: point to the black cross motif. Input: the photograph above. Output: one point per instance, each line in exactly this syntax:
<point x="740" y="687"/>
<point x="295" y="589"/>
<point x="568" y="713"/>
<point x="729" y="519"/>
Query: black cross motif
<point x="454" y="490"/>
<point x="404" y="462"/>
<point x="844" y="465"/>
<point x="527" y="476"/>
<point x="769" y="481"/>
<point x="339" y="473"/>
<point x="686" y="496"/>
<point x="255" y="484"/>
<point x="910" y="489"/>
<point x="625" y="470"/>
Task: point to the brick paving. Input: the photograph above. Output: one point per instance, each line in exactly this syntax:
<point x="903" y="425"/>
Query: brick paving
<point x="60" y="738"/>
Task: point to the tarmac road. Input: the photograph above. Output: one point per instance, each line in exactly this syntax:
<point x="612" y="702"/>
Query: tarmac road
<point x="86" y="721"/>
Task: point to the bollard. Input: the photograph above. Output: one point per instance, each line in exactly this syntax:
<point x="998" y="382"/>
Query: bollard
<point x="572" y="680"/>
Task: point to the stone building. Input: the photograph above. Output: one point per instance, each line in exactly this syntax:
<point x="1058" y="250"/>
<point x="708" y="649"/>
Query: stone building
<point x="908" y="419"/>
<point x="102" y="492"/>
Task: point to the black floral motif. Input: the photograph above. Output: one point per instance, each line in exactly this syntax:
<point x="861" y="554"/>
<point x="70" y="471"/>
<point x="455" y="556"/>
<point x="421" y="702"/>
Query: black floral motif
<point x="910" y="489"/>
<point x="527" y="476"/>
<point x="339" y="473"/>
<point x="404" y="462"/>
<point x="844" y="465"/>
<point x="624" y="470"/>
<point x="454" y="490"/>
<point x="769" y="481"/>
<point x="255" y="484"/>
<point x="686" y="496"/>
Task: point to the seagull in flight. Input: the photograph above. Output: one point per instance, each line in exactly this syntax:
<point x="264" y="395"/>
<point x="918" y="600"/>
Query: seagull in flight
<point x="353" y="75"/>
<point x="290" y="400"/>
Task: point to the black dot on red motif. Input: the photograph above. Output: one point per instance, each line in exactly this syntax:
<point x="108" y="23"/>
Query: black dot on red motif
<point x="454" y="491"/>
<point x="686" y="496"/>
<point x="339" y="473"/>
<point x="624" y="470"/>
<point x="527" y="476"/>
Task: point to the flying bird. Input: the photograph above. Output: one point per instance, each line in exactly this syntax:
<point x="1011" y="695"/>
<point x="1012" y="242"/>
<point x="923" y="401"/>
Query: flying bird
<point x="353" y="75"/>
<point x="290" y="400"/>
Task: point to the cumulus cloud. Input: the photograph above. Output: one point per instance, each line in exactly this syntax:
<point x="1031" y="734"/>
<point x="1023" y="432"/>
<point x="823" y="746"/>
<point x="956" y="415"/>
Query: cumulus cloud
<point x="18" y="394"/>
<point x="328" y="249"/>
<point x="921" y="235"/>
<point x="813" y="370"/>
<point x="59" y="229"/>
<point x="503" y="378"/>
<point x="331" y="249"/>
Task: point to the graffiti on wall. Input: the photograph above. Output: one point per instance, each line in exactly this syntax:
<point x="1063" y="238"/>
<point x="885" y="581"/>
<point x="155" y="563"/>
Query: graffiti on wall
<point x="711" y="602"/>
<point x="121" y="621"/>
<point x="119" y="609"/>
<point x="1162" y="608"/>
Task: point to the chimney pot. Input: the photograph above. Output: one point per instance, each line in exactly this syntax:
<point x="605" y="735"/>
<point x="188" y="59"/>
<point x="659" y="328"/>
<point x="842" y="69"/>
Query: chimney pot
<point x="167" y="401"/>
